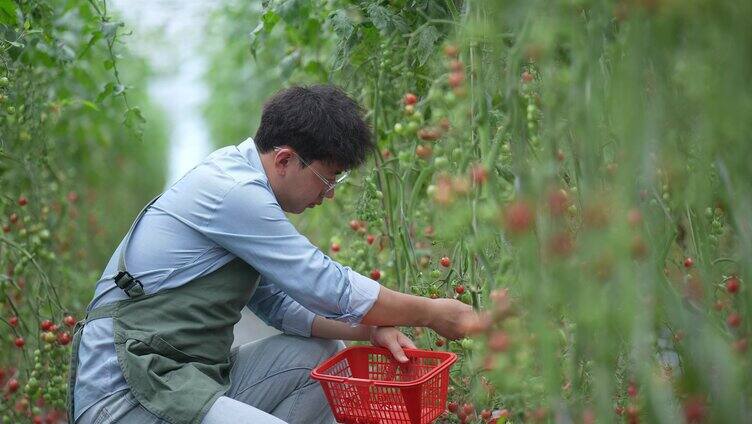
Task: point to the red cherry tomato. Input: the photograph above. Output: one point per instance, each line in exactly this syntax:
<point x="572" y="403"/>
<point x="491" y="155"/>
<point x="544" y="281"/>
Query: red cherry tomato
<point x="410" y="99"/>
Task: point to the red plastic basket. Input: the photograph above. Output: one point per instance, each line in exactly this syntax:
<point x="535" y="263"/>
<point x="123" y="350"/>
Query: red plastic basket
<point x="366" y="385"/>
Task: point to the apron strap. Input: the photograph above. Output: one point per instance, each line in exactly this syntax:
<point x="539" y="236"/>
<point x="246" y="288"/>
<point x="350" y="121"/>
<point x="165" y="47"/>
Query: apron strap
<point x="127" y="282"/>
<point x="105" y="311"/>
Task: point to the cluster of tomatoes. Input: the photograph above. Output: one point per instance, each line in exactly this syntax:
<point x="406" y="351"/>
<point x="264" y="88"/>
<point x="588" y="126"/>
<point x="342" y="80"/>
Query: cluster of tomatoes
<point x="41" y="397"/>
<point x="37" y="390"/>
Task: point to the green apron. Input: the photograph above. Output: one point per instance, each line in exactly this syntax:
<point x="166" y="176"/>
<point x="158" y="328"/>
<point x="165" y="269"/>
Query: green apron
<point x="173" y="346"/>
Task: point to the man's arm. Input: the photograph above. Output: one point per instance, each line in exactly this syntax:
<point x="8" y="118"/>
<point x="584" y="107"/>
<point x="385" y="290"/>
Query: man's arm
<point x="448" y="317"/>
<point x="336" y="330"/>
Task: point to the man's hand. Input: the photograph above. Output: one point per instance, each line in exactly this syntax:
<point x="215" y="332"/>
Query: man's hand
<point x="453" y="319"/>
<point x="392" y="339"/>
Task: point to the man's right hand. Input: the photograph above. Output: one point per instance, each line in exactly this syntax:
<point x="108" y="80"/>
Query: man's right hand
<point x="452" y="319"/>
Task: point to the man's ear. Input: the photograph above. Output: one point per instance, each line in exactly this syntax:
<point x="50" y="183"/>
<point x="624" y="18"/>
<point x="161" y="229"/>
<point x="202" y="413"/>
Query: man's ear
<point x="282" y="159"/>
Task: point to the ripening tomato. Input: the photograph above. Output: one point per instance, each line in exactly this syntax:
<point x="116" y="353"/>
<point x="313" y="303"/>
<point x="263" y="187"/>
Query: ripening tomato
<point x="19" y="342"/>
<point x="69" y="320"/>
<point x="423" y="151"/>
<point x="22" y="201"/>
<point x="445" y="262"/>
<point x="634" y="217"/>
<point x="49" y="337"/>
<point x="479" y="174"/>
<point x="429" y="134"/>
<point x="410" y="99"/>
<point x="732" y="285"/>
<point x="335" y="247"/>
<point x="459" y="289"/>
<point x="632" y="390"/>
<point x="370" y="238"/>
<point x="558" y="202"/>
<point x="375" y="274"/>
<point x="688" y="262"/>
<point x="734" y="320"/>
<point x="451" y="50"/>
<point x="518" y="217"/>
<point x="498" y="341"/>
<point x="46" y="325"/>
<point x="456" y="79"/>
<point x="740" y="345"/>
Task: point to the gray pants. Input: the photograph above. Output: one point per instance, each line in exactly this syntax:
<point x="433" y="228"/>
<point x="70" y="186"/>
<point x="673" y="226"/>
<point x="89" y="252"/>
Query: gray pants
<point x="270" y="384"/>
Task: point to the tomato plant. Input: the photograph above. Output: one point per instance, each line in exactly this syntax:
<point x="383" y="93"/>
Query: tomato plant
<point x="72" y="140"/>
<point x="571" y="169"/>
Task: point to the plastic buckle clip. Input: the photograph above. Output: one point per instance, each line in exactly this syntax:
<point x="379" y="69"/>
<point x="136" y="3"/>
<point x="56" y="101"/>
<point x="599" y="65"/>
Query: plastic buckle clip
<point x="131" y="286"/>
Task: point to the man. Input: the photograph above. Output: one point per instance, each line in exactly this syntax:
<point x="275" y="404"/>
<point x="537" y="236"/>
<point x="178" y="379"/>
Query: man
<point x="155" y="346"/>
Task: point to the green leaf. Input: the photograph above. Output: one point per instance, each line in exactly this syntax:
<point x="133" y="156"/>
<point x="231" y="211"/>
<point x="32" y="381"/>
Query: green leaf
<point x="96" y="36"/>
<point x="135" y="116"/>
<point x="109" y="29"/>
<point x="7" y="12"/>
<point x="135" y="121"/>
<point x="90" y="105"/>
<point x="269" y="19"/>
<point x="105" y="92"/>
<point x="341" y="24"/>
<point x="254" y="37"/>
<point x="384" y="19"/>
<point x="292" y="10"/>
<point x="426" y="40"/>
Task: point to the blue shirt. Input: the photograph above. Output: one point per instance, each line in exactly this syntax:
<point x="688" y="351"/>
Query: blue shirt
<point x="221" y="209"/>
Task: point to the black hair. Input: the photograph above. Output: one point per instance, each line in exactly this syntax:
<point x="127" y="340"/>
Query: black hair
<point x="321" y="122"/>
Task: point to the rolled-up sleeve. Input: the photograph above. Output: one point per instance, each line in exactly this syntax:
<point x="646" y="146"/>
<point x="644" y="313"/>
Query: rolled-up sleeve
<point x="250" y="224"/>
<point x="281" y="311"/>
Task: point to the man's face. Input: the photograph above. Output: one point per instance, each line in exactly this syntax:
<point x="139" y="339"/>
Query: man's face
<point x="299" y="188"/>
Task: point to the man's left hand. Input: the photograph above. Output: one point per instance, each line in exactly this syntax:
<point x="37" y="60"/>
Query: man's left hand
<point x="392" y="339"/>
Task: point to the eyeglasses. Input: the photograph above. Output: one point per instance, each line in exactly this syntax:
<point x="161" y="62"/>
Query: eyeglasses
<point x="329" y="184"/>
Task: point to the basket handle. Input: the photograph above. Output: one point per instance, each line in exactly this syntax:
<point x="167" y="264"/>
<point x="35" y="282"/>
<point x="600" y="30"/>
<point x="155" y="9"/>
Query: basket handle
<point x="348" y="380"/>
<point x="359" y="381"/>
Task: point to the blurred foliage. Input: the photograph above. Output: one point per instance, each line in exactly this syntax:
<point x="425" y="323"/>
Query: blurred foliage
<point x="581" y="164"/>
<point x="73" y="146"/>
